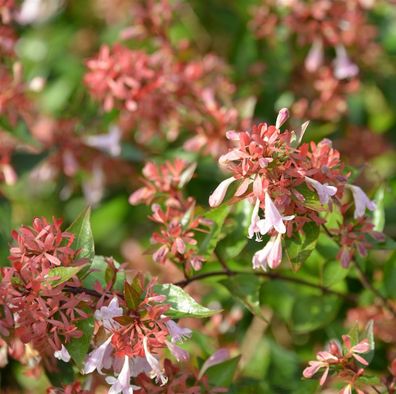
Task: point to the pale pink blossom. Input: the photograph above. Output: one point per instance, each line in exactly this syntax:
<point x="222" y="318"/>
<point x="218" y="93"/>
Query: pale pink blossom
<point x="314" y="58"/>
<point x="156" y="371"/>
<point x="323" y="361"/>
<point x="62" y="354"/>
<point x="122" y="383"/>
<point x="343" y="67"/>
<point x="177" y="333"/>
<point x="324" y="191"/>
<point x="253" y="228"/>
<point x="355" y="351"/>
<point x="99" y="358"/>
<point x="109" y="142"/>
<point x="361" y="201"/>
<point x="106" y="314"/>
<point x="283" y="115"/>
<point x="218" y="357"/>
<point x="179" y="353"/>
<point x="270" y="255"/>
<point x="273" y="219"/>
<point x="217" y="197"/>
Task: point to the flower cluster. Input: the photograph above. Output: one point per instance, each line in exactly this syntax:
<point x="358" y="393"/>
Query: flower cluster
<point x="346" y="362"/>
<point x="130" y="332"/>
<point x="277" y="175"/>
<point x="158" y="93"/>
<point x="178" y="220"/>
<point x="43" y="312"/>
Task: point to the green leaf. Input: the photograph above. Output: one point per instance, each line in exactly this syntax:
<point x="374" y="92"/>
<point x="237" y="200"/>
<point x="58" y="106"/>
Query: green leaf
<point x="334" y="273"/>
<point x="221" y="375"/>
<point x="64" y="375"/>
<point x="209" y="242"/>
<point x="132" y="296"/>
<point x="78" y="347"/>
<point x="97" y="273"/>
<point x="369" y="334"/>
<point x="59" y="275"/>
<point x="279" y="296"/>
<point x="245" y="288"/>
<point x="5" y="229"/>
<point x="83" y="242"/>
<point x="311" y="312"/>
<point x="300" y="246"/>
<point x="390" y="276"/>
<point x="311" y="198"/>
<point x="182" y="304"/>
<point x="379" y="213"/>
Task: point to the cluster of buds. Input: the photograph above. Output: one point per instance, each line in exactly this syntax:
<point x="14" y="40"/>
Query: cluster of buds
<point x="177" y="217"/>
<point x="345" y="362"/>
<point x="273" y="172"/>
<point x="157" y="92"/>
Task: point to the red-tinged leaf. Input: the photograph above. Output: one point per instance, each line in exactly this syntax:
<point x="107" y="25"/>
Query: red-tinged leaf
<point x="131" y="296"/>
<point x="124" y="320"/>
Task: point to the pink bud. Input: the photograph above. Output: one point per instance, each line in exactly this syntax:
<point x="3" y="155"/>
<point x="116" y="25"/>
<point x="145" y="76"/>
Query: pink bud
<point x="217" y="197"/>
<point x="314" y="58"/>
<point x="283" y="115"/>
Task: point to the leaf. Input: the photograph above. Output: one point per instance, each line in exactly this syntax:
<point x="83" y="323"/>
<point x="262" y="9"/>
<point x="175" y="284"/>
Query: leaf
<point x="182" y="304"/>
<point x="78" y="347"/>
<point x="390" y="276"/>
<point x="300" y="246"/>
<point x="245" y="288"/>
<point x="311" y="312"/>
<point x="334" y="273"/>
<point x="221" y="375"/>
<point x="132" y="296"/>
<point x="5" y="228"/>
<point x="64" y="375"/>
<point x="209" y="242"/>
<point x="83" y="241"/>
<point x="97" y="273"/>
<point x="369" y="334"/>
<point x="311" y="198"/>
<point x="61" y="274"/>
<point x="379" y="212"/>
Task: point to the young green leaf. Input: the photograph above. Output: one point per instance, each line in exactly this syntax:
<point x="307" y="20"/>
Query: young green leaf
<point x="182" y="304"/>
<point x="59" y="275"/>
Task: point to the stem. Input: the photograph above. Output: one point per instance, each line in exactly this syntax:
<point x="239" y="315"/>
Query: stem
<point x="369" y="286"/>
<point x="272" y="275"/>
<point x="222" y="262"/>
<point x="80" y="290"/>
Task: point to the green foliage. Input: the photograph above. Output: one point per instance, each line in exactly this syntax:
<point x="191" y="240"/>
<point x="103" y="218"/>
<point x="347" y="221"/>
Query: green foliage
<point x="182" y="304"/>
<point x="300" y="246"/>
<point x="390" y="276"/>
<point x="59" y="275"/>
<point x="221" y="375"/>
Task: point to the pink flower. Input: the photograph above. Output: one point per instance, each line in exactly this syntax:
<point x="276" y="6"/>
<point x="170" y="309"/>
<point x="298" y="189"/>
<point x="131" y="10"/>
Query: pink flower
<point x="106" y="314"/>
<point x="156" y="370"/>
<point x="216" y="358"/>
<point x="270" y="255"/>
<point x="122" y="383"/>
<point x="314" y="58"/>
<point x="343" y="67"/>
<point x="283" y="115"/>
<point x="347" y="389"/>
<point x="179" y="353"/>
<point x="177" y="333"/>
<point x="62" y="354"/>
<point x="324" y="191"/>
<point x="253" y="228"/>
<point x="361" y="201"/>
<point x="323" y="361"/>
<point x="109" y="142"/>
<point x="217" y="197"/>
<point x="355" y="351"/>
<point x="273" y="219"/>
<point x="99" y="358"/>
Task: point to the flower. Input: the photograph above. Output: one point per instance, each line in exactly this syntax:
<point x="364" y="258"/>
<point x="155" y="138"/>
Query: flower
<point x="98" y="358"/>
<point x="106" y="314"/>
<point x="355" y="351"/>
<point x="324" y="191"/>
<point x="109" y="142"/>
<point x="283" y="115"/>
<point x="324" y="359"/>
<point x="270" y="255"/>
<point x="217" y="197"/>
<point x="343" y="67"/>
<point x="122" y="383"/>
<point x="177" y="333"/>
<point x="156" y="370"/>
<point x="361" y="201"/>
<point x="179" y="353"/>
<point x="62" y="354"/>
<point x="253" y="228"/>
<point x="273" y="219"/>
<point x="216" y="358"/>
<point x="314" y="58"/>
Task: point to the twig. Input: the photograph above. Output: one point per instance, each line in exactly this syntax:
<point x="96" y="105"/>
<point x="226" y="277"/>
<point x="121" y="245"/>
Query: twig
<point x="80" y="290"/>
<point x="368" y="285"/>
<point x="272" y="275"/>
<point x="222" y="262"/>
